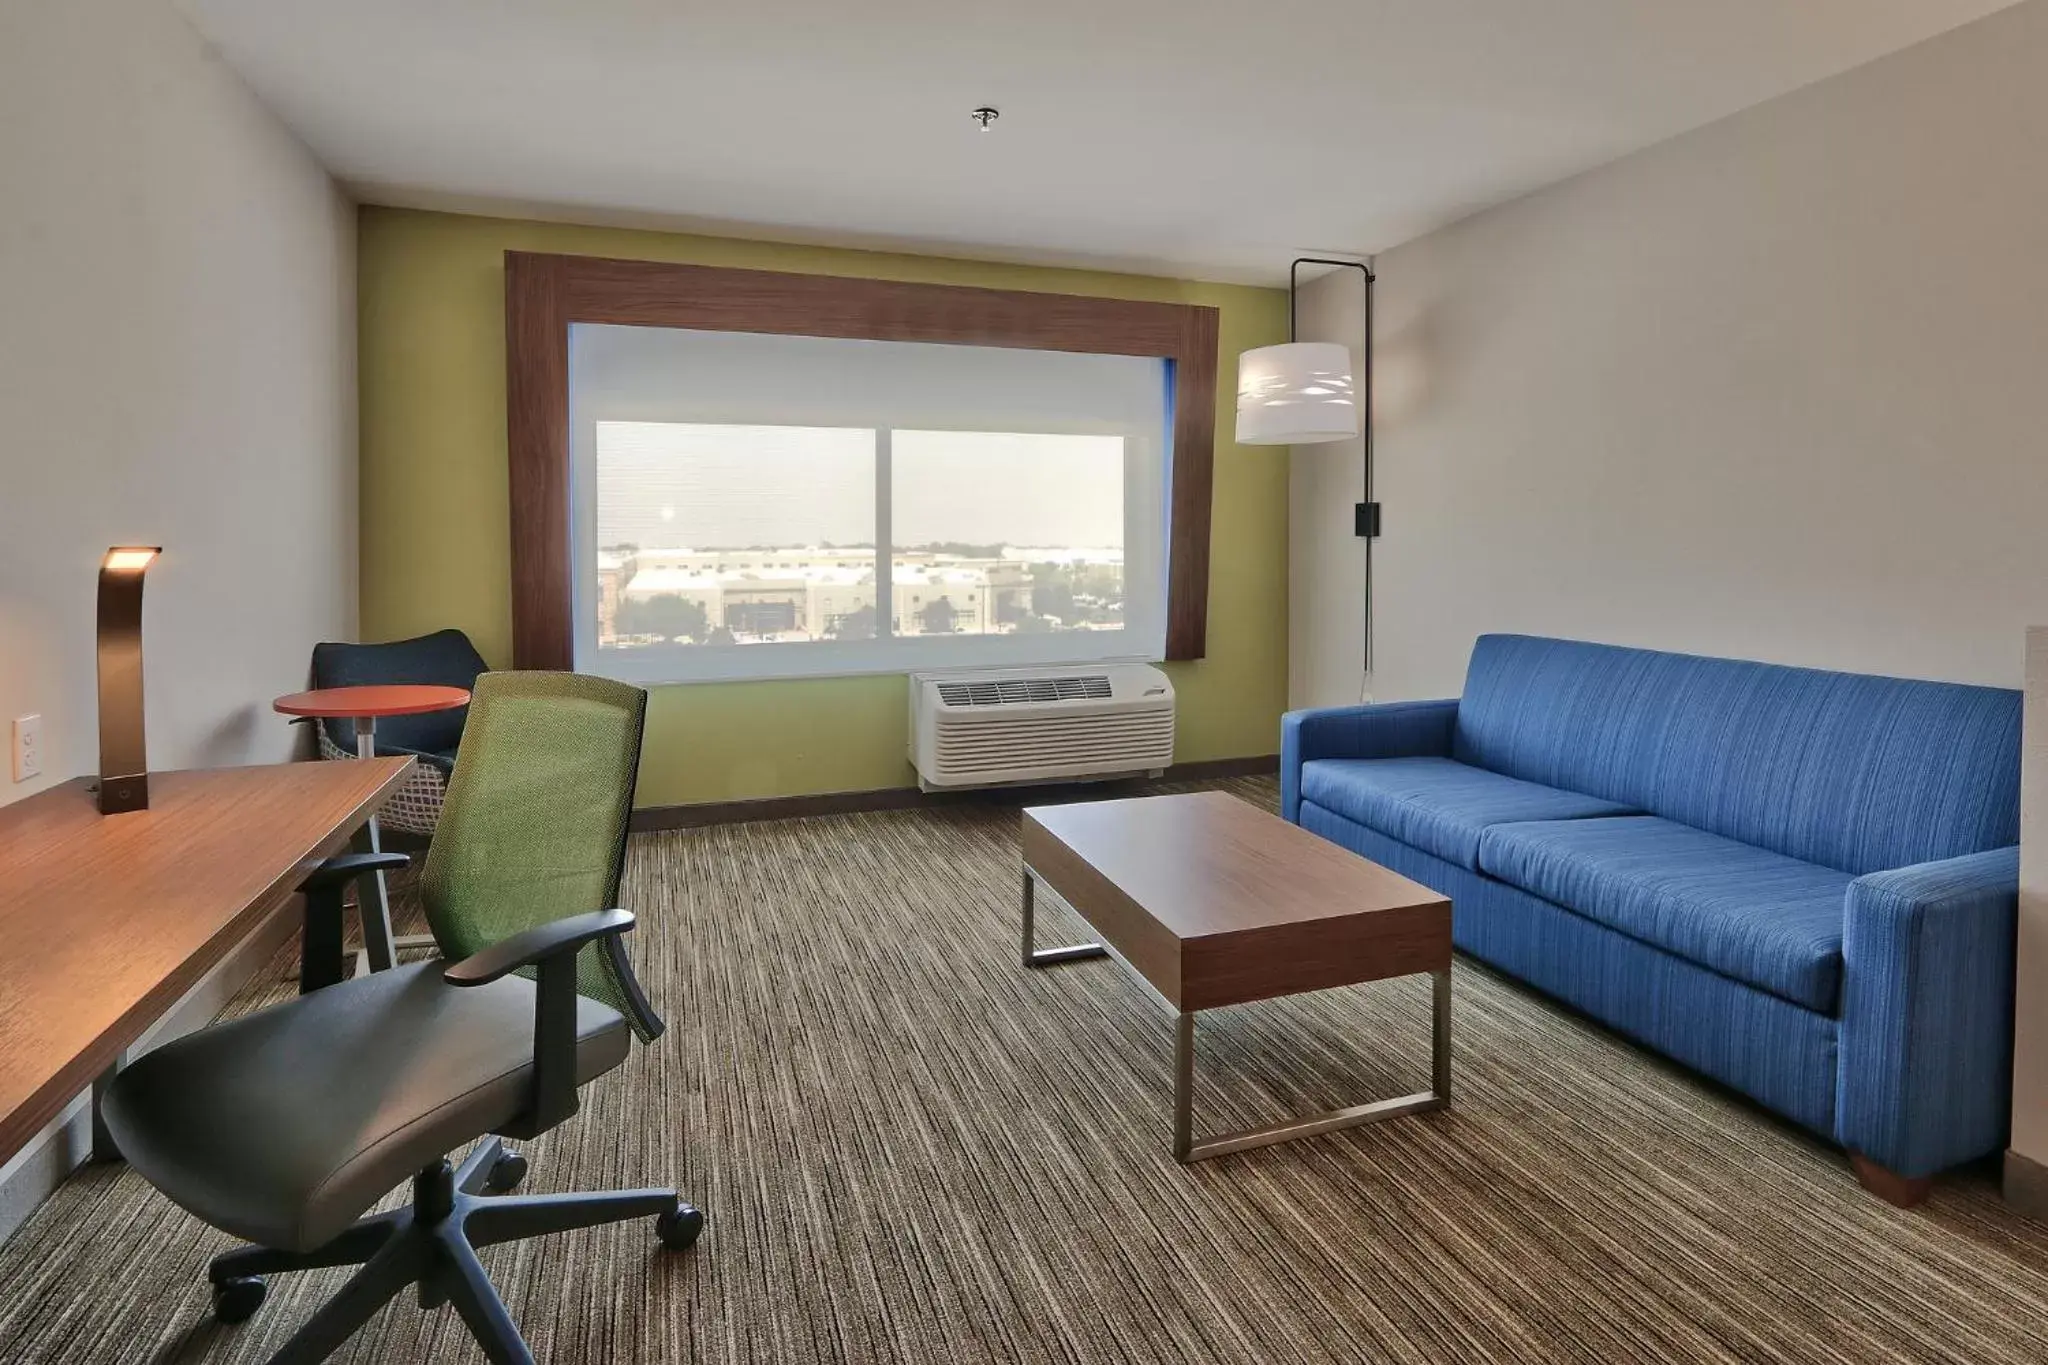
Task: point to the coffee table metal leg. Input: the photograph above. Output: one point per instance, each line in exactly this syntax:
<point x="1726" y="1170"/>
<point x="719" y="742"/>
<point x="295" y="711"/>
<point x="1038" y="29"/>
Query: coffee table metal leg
<point x="1438" y="1096"/>
<point x="1440" y="1036"/>
<point x="376" y="905"/>
<point x="1184" y="1086"/>
<point x="1046" y="957"/>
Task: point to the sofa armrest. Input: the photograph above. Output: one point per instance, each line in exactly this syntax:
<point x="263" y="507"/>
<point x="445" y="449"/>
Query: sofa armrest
<point x="1924" y="1076"/>
<point x="1398" y="729"/>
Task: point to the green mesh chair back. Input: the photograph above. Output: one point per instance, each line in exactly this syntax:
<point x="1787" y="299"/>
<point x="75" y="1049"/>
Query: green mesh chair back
<point x="534" y="826"/>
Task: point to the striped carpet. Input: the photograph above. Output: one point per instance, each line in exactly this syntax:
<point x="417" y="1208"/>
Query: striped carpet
<point x="912" y="1150"/>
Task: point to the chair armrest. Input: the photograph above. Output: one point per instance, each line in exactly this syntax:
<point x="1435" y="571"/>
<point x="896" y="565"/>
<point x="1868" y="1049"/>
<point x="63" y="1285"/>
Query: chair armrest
<point x="1924" y="1078"/>
<point x="536" y="946"/>
<point x="426" y="758"/>
<point x="321" y="960"/>
<point x="1399" y="729"/>
<point x="552" y="949"/>
<point x="340" y="870"/>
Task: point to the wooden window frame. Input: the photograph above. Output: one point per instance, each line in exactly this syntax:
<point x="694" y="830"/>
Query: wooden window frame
<point x="545" y="295"/>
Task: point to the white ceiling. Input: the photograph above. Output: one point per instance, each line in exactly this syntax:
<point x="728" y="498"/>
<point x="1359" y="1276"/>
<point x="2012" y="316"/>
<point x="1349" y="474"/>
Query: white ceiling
<point x="1170" y="136"/>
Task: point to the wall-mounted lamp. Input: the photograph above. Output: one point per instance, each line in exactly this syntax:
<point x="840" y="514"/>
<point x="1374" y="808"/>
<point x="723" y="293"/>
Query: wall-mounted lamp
<point x="1303" y="393"/>
<point x="1296" y="395"/>
<point x="124" y="753"/>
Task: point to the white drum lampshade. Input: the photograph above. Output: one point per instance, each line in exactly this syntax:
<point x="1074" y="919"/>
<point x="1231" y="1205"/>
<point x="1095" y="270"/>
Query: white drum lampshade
<point x="1297" y="394"/>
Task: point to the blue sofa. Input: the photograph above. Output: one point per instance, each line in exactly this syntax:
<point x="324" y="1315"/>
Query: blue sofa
<point x="1801" y="883"/>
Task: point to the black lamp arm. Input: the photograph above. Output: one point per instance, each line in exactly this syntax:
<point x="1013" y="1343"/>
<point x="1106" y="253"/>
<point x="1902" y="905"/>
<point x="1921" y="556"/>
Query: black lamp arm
<point x="1293" y="276"/>
<point x="1366" y="516"/>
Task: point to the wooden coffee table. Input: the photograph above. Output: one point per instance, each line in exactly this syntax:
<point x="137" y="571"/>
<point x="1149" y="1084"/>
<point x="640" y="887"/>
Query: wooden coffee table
<point x="1213" y="902"/>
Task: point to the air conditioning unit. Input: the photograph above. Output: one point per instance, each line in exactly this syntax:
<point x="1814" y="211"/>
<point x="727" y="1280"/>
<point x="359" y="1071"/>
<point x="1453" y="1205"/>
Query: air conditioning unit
<point x="1009" y="726"/>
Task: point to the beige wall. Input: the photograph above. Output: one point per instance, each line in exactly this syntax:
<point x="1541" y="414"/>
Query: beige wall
<point x="2030" y="1026"/>
<point x="1776" y="388"/>
<point x="177" y="367"/>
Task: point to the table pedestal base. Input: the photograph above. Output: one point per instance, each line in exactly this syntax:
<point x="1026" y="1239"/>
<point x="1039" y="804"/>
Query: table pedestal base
<point x="375" y="907"/>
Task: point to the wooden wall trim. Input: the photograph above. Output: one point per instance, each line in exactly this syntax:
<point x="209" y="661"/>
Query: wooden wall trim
<point x="537" y="448"/>
<point x="546" y="294"/>
<point x="653" y="818"/>
<point x="720" y="299"/>
<point x="1191" y="493"/>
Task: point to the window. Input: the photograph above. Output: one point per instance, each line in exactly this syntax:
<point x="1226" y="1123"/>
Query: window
<point x="756" y="506"/>
<point x="757" y="474"/>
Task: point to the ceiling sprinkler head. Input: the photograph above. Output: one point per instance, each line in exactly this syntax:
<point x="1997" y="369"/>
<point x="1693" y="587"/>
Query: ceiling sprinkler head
<point x="985" y="116"/>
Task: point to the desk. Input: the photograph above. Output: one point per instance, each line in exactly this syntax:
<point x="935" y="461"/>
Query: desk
<point x="106" y="921"/>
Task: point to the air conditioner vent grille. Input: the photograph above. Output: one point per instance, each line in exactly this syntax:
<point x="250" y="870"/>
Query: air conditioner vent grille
<point x="1054" y="744"/>
<point x="1023" y="691"/>
<point x="1059" y="724"/>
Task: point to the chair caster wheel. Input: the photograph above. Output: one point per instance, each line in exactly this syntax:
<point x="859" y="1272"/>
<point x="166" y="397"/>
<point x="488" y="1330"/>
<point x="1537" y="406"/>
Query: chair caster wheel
<point x="238" y="1299"/>
<point x="678" y="1228"/>
<point x="506" y="1173"/>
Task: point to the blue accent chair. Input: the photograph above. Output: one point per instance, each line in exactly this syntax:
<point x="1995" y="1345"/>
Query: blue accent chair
<point x="445" y="658"/>
<point x="1803" y="884"/>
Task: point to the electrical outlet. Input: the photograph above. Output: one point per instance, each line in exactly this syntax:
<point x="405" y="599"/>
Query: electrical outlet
<point x="27" y="747"/>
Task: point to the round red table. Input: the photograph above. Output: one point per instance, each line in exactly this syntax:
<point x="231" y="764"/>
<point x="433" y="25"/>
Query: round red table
<point x="364" y="705"/>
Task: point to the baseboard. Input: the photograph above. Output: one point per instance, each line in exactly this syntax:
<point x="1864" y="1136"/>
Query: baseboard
<point x="34" y="1173"/>
<point x="2026" y="1185"/>
<point x="1252" y="765"/>
<point x="651" y="818"/>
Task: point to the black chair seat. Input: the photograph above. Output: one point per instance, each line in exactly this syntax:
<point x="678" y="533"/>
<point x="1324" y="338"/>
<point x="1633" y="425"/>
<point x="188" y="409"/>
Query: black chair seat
<point x="285" y="1125"/>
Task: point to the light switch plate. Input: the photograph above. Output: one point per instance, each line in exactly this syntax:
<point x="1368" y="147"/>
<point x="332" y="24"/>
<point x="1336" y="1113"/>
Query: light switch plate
<point x="27" y="747"/>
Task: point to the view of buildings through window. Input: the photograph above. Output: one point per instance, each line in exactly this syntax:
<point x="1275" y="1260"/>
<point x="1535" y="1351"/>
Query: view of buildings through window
<point x="720" y="534"/>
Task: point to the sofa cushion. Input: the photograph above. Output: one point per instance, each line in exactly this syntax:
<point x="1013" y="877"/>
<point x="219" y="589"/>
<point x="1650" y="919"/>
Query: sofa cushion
<point x="1857" y="772"/>
<point x="1764" y="919"/>
<point x="1435" y="804"/>
<point x="1765" y="1046"/>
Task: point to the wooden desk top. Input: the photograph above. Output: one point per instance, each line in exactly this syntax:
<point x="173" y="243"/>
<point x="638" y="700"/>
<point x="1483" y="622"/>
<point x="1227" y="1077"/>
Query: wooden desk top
<point x="106" y="921"/>
<point x="1217" y="902"/>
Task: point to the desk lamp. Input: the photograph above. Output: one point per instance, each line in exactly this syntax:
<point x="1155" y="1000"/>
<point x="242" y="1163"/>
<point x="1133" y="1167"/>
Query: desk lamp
<point x="124" y="753"/>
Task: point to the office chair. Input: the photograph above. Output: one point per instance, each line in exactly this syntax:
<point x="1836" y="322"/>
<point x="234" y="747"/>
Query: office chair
<point x="446" y="658"/>
<point x="286" y="1125"/>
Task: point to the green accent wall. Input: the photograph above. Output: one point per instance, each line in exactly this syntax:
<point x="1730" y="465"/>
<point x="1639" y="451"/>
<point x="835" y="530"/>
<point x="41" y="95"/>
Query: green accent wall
<point x="435" y="520"/>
